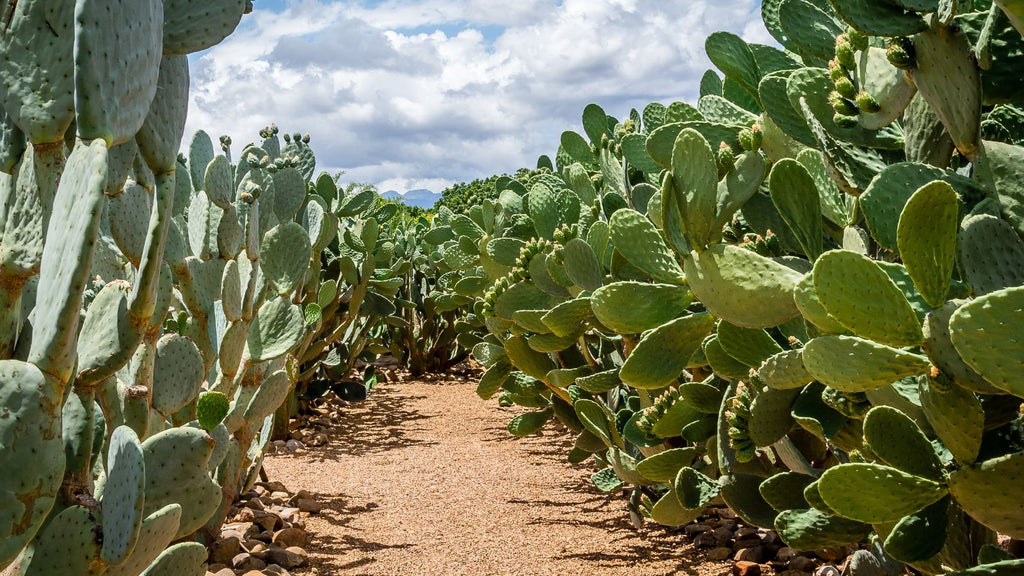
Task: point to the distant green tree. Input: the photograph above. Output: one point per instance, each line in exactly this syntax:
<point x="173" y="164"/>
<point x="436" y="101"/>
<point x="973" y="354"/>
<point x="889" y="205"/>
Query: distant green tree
<point x="460" y="197"/>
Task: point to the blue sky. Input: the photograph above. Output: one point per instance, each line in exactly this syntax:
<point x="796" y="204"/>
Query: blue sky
<point x="412" y="94"/>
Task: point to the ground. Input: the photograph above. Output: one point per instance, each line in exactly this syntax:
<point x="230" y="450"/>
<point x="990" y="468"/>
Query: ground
<point x="423" y="479"/>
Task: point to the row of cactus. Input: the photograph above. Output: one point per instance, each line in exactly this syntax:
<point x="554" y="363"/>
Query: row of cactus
<point x="800" y="297"/>
<point x="157" y="309"/>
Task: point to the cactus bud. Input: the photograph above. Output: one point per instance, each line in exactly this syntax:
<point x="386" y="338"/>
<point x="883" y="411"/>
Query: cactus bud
<point x="305" y="138"/>
<point x="846" y="88"/>
<point x="844" y="121"/>
<point x="751" y="139"/>
<point x="842" y="105"/>
<point x="724" y="159"/>
<point x="858" y="39"/>
<point x="836" y="71"/>
<point x="901" y="53"/>
<point x="845" y="54"/>
<point x="287" y="138"/>
<point x="867" y="103"/>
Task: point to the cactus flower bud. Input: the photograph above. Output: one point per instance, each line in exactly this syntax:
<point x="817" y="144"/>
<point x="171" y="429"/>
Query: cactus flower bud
<point x="842" y="105"/>
<point x="844" y="121"/>
<point x="846" y="88"/>
<point x="867" y="103"/>
<point x="845" y="54"/>
<point x="900" y="53"/>
<point x="858" y="39"/>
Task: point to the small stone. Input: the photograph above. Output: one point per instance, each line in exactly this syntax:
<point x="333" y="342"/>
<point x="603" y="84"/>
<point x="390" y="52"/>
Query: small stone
<point x="834" y="554"/>
<point x="253" y="573"/>
<point x="254" y="504"/>
<point x="786" y="554"/>
<point x="287" y="557"/>
<point x="310" y="506"/>
<point x="744" y="568"/>
<point x="245" y="515"/>
<point x="746" y="531"/>
<point x="718" y="554"/>
<point x="280" y="495"/>
<point x="827" y="570"/>
<point x="692" y="530"/>
<point x="275" y="570"/>
<point x="224" y="572"/>
<point x="723" y="536"/>
<point x="746" y="542"/>
<point x="223" y="550"/>
<point x="302" y="495"/>
<point x="705" y="540"/>
<point x="726" y="523"/>
<point x="802" y="564"/>
<point x="258" y="550"/>
<point x="754" y="555"/>
<point x="273" y="485"/>
<point x="287" y="537"/>
<point x="246" y="561"/>
<point x="726" y="513"/>
<point x="294" y="446"/>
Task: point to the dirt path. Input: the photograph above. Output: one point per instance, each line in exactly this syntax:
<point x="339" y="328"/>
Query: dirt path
<point x="423" y="479"/>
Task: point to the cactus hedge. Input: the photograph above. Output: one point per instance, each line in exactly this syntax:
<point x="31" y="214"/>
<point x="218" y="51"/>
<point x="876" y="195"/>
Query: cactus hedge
<point x="800" y="297"/>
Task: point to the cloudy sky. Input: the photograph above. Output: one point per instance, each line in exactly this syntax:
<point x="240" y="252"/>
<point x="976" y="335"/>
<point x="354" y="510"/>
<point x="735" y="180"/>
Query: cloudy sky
<point x="412" y="94"/>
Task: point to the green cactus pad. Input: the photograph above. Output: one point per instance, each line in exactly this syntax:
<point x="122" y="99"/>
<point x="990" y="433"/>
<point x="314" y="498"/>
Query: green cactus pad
<point x="113" y="92"/>
<point x="663" y="353"/>
<point x="218" y="182"/>
<point x="31" y="402"/>
<point x="813" y="498"/>
<point x="594" y="419"/>
<point x="806" y="298"/>
<point x="770" y="416"/>
<point x="285" y="253"/>
<point x="182" y="559"/>
<point x="797" y="199"/>
<point x="694" y="489"/>
<point x="705" y="397"/>
<point x="190" y="27"/>
<point x="177" y="374"/>
<point x="987" y="492"/>
<point x="109" y="337"/>
<point x="813" y="530"/>
<point x="521" y="296"/>
<point x="526" y="359"/>
<point x="582" y="266"/>
<point x="874" y="493"/>
<point x="734" y="58"/>
<point x="879" y="18"/>
<point x="124" y="495"/>
<point x="493" y="378"/>
<point x="897" y="441"/>
<point x="176" y="473"/>
<point x="211" y="409"/>
<point x="158" y="530"/>
<point x="890" y="88"/>
<point x="159" y="138"/>
<point x="529" y="423"/>
<point x="785" y="371"/>
<point x="551" y="343"/>
<point x="851" y="364"/>
<point x="695" y="185"/>
<point x="814" y="415"/>
<point x="722" y="363"/>
<point x="668" y="511"/>
<point x="785" y="491"/>
<point x="65" y="267"/>
<point x="938" y="345"/>
<point x="985" y="333"/>
<point x="862" y="297"/>
<point x="600" y="382"/>
<point x="200" y="154"/>
<point x="810" y="26"/>
<point x="665" y="466"/>
<point x="926" y="236"/>
<point x="747" y="345"/>
<point x="957" y="417"/>
<point x="990" y="253"/>
<point x="948" y="78"/>
<point x="919" y="536"/>
<point x="633" y="307"/>
<point x="742" y="287"/>
<point x="740" y="492"/>
<point x="642" y="245"/>
<point x="569" y="319"/>
<point x="277" y="328"/>
<point x="68" y="545"/>
<point x="290" y="194"/>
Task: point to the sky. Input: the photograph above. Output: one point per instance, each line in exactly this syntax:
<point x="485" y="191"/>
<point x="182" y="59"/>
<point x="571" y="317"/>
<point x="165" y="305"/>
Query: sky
<point x="408" y="94"/>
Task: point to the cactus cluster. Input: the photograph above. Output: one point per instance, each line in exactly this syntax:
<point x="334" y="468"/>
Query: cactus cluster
<point x="798" y="296"/>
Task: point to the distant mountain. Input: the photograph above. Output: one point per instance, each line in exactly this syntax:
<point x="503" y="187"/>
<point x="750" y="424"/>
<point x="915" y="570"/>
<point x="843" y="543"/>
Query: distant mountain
<point x="421" y="197"/>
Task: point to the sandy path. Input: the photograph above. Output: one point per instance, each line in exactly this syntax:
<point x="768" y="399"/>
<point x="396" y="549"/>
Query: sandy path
<point x="423" y="479"/>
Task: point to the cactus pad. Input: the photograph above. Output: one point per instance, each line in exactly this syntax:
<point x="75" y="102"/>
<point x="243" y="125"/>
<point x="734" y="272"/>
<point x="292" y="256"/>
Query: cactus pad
<point x="874" y="493"/>
<point x="633" y="307"/>
<point x="662" y="354"/>
<point x="985" y="333"/>
<point x="853" y="364"/>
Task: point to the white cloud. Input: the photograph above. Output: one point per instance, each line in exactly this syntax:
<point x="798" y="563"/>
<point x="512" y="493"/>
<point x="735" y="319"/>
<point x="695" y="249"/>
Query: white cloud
<point x="424" y="93"/>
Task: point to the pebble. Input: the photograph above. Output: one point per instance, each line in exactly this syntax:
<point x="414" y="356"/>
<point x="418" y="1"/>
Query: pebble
<point x="744" y="568"/>
<point x="827" y="570"/>
<point x="802" y="564"/>
<point x="754" y="554"/>
<point x="718" y="554"/>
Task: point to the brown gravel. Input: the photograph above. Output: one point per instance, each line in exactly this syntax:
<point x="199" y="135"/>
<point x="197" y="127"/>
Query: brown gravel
<point x="423" y="479"/>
